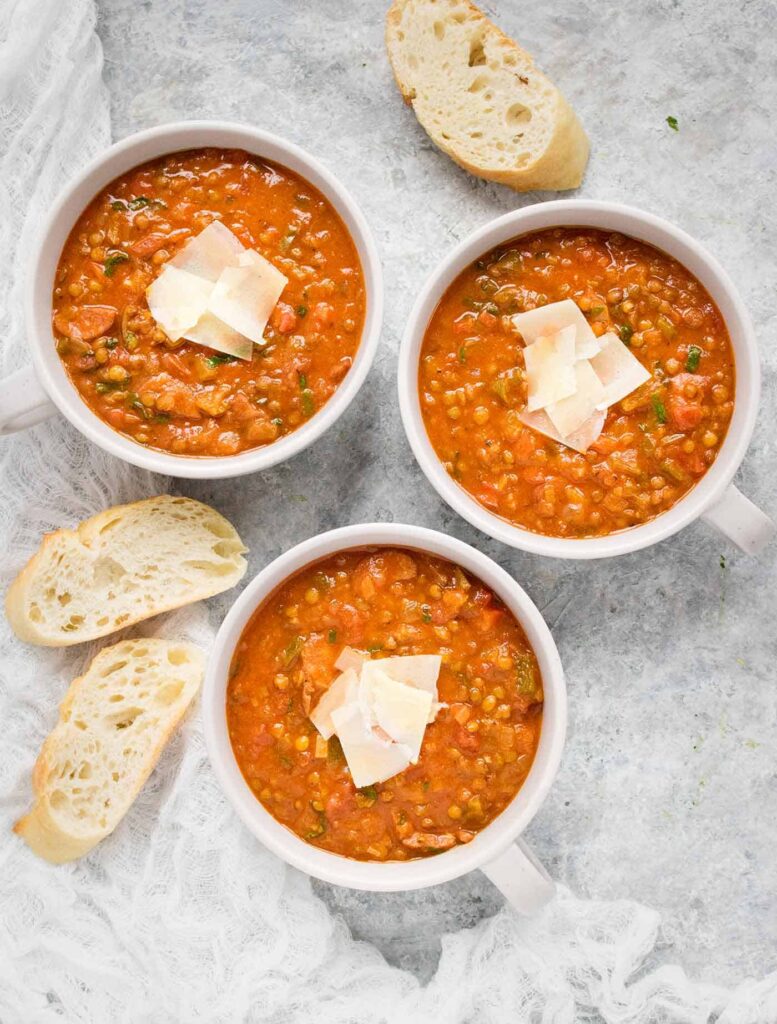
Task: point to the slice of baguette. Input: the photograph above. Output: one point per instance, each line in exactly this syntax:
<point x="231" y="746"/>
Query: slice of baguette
<point x="113" y="724"/>
<point x="122" y="566"/>
<point x="481" y="98"/>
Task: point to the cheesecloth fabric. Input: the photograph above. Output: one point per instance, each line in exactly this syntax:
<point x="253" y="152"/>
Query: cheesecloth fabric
<point x="181" y="915"/>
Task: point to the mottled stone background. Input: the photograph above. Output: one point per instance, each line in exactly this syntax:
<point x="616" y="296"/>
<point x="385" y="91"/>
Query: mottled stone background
<point x="668" y="790"/>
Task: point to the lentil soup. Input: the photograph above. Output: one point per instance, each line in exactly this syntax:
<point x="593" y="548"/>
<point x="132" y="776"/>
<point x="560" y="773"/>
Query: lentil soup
<point x="656" y="443"/>
<point x="179" y="396"/>
<point x="387" y="601"/>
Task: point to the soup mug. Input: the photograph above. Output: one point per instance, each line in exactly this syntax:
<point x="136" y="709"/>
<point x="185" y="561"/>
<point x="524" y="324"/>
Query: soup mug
<point x="498" y="850"/>
<point x="34" y="393"/>
<point x="714" y="498"/>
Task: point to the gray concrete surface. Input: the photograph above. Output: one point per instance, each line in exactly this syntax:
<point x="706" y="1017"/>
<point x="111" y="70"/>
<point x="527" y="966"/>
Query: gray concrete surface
<point x="668" y="790"/>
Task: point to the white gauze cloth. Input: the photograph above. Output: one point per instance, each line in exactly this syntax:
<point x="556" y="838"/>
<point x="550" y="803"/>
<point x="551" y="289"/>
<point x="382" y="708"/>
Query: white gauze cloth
<point x="181" y="915"/>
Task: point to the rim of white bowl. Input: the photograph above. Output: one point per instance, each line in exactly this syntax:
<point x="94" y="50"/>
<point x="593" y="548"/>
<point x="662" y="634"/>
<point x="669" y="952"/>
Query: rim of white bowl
<point x="627" y="220"/>
<point x="393" y="875"/>
<point x="121" y="157"/>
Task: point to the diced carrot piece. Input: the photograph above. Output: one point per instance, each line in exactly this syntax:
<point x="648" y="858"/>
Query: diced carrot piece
<point x="604" y="444"/>
<point x="430" y="841"/>
<point x="488" y="619"/>
<point x="283" y="318"/>
<point x="148" y="245"/>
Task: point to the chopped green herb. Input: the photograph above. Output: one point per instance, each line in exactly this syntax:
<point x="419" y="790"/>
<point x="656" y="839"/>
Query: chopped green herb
<point x="332" y="636"/>
<point x="626" y="332"/>
<point x="293" y="651"/>
<point x="692" y="362"/>
<point x="118" y="204"/>
<point x="135" y="403"/>
<point x="277" y="421"/>
<point x="308" y="405"/>
<point x="723" y="561"/>
<point x="302" y="311"/>
<point x="111" y="343"/>
<point x="659" y="408"/>
<point x="220" y="359"/>
<point x="141" y="202"/>
<point x="369" y="792"/>
<point x="162" y="417"/>
<point x="103" y="387"/>
<point x="286" y="761"/>
<point x="672" y="122"/>
<point x="425" y="785"/>
<point x="597" y="310"/>
<point x="114" y="258"/>
<point x="375" y="648"/>
<point x="426" y="613"/>
<point x="463" y="354"/>
<point x="526" y="678"/>
<point x="322" y="581"/>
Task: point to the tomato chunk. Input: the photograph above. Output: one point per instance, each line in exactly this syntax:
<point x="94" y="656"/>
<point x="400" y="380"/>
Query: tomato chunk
<point x="88" y="322"/>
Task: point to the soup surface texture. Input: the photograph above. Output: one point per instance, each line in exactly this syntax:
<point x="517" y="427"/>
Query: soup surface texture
<point x="475" y="755"/>
<point x="182" y="397"/>
<point x="656" y="443"/>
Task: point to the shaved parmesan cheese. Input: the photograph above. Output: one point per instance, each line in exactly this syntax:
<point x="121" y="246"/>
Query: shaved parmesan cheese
<point x="351" y="658"/>
<point x="580" y="440"/>
<point x="570" y="414"/>
<point x="344" y="689"/>
<point x="379" y="711"/>
<point x="401" y="711"/>
<point x="214" y="333"/>
<point x="216" y="293"/>
<point x="370" y="758"/>
<point x="209" y="253"/>
<point x="550" y="368"/>
<point x="618" y="369"/>
<point x="547" y="320"/>
<point x="177" y="300"/>
<point x="245" y="296"/>
<point x="419" y="670"/>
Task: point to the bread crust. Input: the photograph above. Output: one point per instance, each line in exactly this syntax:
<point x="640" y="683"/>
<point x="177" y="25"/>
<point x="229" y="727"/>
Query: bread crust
<point x="39" y="827"/>
<point x="562" y="162"/>
<point x="18" y="597"/>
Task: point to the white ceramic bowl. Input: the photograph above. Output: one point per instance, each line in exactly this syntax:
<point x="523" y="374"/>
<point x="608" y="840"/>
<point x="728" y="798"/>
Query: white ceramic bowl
<point x="714" y="497"/>
<point x="28" y="397"/>
<point x="497" y="849"/>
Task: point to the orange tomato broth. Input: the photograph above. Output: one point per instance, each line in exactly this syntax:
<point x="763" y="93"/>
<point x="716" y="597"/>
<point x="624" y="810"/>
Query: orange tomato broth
<point x="387" y="601"/>
<point x="656" y="443"/>
<point x="182" y="397"/>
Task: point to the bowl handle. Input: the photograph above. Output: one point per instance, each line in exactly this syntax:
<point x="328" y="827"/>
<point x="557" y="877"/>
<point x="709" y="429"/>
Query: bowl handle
<point x="521" y="878"/>
<point x="23" y="402"/>
<point x="741" y="521"/>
